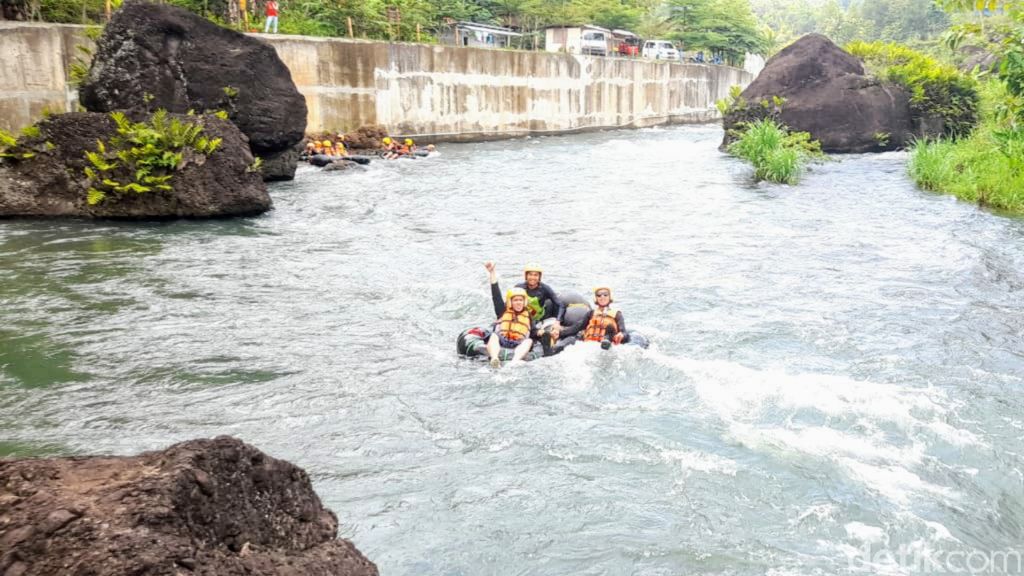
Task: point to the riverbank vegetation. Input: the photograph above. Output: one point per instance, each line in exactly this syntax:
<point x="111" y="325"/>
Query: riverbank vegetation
<point x="988" y="166"/>
<point x="777" y="154"/>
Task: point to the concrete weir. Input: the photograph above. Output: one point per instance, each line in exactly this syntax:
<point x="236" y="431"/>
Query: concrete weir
<point x="442" y="92"/>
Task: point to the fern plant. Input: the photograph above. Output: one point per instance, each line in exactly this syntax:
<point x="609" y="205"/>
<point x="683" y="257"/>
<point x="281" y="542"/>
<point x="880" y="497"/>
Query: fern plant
<point x="143" y="156"/>
<point x="12" y="148"/>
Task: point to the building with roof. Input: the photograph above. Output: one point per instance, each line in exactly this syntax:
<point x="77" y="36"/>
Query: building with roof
<point x="477" y="35"/>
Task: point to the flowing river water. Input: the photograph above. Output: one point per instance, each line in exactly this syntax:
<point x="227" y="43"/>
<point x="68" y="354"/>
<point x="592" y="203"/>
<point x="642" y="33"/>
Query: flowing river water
<point x="835" y="375"/>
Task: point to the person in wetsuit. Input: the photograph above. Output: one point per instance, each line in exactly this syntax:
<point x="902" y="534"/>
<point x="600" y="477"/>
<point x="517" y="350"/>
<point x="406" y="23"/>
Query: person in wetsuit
<point x="550" y="305"/>
<point x="515" y="324"/>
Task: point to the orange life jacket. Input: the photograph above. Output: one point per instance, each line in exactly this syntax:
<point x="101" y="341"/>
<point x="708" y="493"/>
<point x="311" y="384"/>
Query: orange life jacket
<point x="600" y="321"/>
<point x="514" y="326"/>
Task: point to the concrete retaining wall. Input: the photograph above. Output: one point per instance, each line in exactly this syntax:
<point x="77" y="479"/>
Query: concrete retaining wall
<point x="415" y="89"/>
<point x="34" y="64"/>
<point x="458" y="93"/>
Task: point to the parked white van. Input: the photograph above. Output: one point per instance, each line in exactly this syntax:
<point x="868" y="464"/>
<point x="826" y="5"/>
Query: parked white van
<point x="594" y="43"/>
<point x="660" y="50"/>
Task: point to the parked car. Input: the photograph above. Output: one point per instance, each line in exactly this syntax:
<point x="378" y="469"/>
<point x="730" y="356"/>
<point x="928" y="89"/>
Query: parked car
<point x="629" y="47"/>
<point x="594" y="43"/>
<point x="660" y="50"/>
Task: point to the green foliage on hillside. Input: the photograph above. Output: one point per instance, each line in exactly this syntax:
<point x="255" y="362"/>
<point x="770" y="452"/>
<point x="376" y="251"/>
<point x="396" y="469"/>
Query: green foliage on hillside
<point x="725" y="27"/>
<point x="936" y="90"/>
<point x="843" y="21"/>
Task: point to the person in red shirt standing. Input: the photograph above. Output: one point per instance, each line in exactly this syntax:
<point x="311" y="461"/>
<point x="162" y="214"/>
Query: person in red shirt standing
<point x="271" y="16"/>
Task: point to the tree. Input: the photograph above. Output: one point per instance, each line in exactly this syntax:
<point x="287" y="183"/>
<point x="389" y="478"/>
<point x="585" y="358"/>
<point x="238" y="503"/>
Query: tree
<point x="725" y="27"/>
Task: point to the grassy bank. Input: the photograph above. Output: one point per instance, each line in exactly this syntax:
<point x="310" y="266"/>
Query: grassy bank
<point x="986" y="168"/>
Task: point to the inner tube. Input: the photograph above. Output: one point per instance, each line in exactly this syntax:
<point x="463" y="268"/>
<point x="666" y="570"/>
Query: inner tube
<point x="636" y="339"/>
<point x="472" y="344"/>
<point x="322" y="160"/>
<point x="576" y="307"/>
<point x="415" y="154"/>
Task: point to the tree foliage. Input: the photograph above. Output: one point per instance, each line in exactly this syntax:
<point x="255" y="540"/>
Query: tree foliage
<point x="725" y="27"/>
<point x="844" y="21"/>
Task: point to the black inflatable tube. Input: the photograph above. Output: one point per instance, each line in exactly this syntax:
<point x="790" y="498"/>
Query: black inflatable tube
<point x="321" y="160"/>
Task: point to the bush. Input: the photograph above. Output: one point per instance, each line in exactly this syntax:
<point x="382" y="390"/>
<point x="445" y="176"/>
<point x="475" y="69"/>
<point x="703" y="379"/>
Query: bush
<point x="777" y="154"/>
<point x="936" y="90"/>
<point x="987" y="168"/>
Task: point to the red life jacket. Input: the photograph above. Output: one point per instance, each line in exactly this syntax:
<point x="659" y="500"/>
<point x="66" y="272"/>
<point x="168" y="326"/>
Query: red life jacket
<point x="272" y="8"/>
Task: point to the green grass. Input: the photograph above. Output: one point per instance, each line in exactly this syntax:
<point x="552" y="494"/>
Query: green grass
<point x="985" y="168"/>
<point x="777" y="154"/>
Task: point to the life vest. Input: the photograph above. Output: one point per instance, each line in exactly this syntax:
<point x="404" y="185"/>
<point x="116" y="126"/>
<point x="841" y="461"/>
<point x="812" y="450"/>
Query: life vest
<point x="600" y="321"/>
<point x="514" y="326"/>
<point x="271" y="8"/>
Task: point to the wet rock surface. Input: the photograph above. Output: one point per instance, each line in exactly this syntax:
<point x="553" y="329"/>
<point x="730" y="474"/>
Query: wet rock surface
<point x="216" y="507"/>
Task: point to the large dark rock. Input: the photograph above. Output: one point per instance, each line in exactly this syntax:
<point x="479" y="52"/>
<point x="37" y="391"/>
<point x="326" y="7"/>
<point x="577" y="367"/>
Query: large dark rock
<point x="158" y="56"/>
<point x="53" y="182"/>
<point x="828" y="94"/>
<point x="215" y="507"/>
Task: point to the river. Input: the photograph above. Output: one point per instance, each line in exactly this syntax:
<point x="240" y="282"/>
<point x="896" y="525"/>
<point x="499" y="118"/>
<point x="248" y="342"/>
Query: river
<point x="834" y="377"/>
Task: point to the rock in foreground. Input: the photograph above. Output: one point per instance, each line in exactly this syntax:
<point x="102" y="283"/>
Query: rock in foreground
<point x="53" y="182"/>
<point x="158" y="56"/>
<point x="828" y="94"/>
<point x="215" y="507"/>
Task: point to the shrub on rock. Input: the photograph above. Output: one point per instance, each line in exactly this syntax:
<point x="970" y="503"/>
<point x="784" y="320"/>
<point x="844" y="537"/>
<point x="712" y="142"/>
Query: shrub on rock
<point x="107" y="166"/>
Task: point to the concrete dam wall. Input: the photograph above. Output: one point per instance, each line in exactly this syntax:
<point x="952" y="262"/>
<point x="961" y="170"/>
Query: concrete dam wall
<point x="446" y="92"/>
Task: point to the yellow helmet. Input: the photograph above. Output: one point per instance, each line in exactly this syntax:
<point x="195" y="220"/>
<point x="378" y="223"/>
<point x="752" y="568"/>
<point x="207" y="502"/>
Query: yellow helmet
<point x="532" y="268"/>
<point x="513" y="292"/>
<point x="387" y="140"/>
<point x="408" y="141"/>
<point x="326" y="143"/>
<point x="599" y="288"/>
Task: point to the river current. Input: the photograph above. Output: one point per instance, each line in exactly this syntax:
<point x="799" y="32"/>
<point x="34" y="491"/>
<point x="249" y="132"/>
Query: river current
<point x="834" y="378"/>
